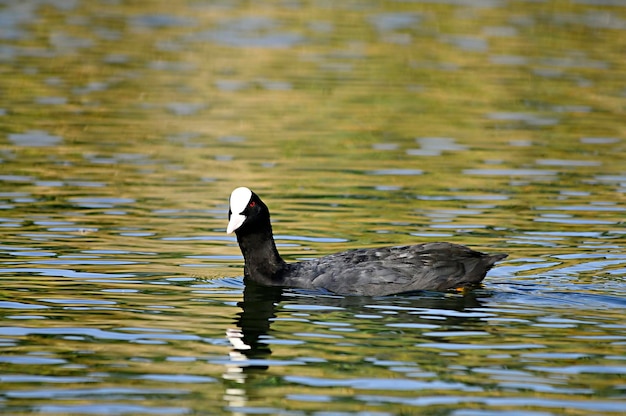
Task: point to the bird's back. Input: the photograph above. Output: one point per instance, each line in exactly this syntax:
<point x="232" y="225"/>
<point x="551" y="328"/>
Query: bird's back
<point x="389" y="270"/>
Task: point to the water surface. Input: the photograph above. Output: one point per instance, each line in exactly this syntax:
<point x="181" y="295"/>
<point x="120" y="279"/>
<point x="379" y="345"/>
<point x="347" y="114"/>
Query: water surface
<point x="125" y="126"/>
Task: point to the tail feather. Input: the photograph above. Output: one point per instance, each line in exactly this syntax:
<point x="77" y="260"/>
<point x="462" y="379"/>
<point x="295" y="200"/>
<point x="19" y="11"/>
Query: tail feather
<point x="494" y="258"/>
<point x="477" y="273"/>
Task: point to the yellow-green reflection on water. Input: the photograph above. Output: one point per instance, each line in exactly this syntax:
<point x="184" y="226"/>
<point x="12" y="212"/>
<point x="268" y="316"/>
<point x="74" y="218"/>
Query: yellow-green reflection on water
<point x="125" y="125"/>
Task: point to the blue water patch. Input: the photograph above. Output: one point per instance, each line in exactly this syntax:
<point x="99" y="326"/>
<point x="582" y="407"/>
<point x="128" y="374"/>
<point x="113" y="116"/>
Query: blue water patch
<point x="35" y="138"/>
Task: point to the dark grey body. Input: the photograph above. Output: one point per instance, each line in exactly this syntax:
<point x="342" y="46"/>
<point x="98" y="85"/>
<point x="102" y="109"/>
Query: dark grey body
<point x="388" y="270"/>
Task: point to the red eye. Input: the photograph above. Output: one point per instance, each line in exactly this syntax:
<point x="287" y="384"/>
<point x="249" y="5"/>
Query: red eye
<point x="252" y="204"/>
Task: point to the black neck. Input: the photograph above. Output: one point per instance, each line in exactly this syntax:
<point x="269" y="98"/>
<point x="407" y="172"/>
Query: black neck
<point x="262" y="261"/>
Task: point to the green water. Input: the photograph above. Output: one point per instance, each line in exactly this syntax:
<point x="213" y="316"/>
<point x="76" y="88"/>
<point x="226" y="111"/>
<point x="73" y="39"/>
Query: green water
<point x="124" y="126"/>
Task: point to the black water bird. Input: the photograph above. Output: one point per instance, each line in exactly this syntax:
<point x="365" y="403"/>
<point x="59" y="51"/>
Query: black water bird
<point x="361" y="272"/>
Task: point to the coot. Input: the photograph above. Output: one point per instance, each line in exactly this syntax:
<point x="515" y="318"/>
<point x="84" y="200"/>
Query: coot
<point x="364" y="272"/>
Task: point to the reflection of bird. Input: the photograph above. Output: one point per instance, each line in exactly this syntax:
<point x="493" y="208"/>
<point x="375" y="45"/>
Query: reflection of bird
<point x="370" y="272"/>
<point x="253" y="324"/>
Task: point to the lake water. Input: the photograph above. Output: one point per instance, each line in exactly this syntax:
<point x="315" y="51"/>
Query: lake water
<point x="124" y="126"/>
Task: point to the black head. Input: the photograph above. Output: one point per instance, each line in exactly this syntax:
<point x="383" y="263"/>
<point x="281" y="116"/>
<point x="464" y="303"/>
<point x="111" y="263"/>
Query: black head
<point x="246" y="211"/>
